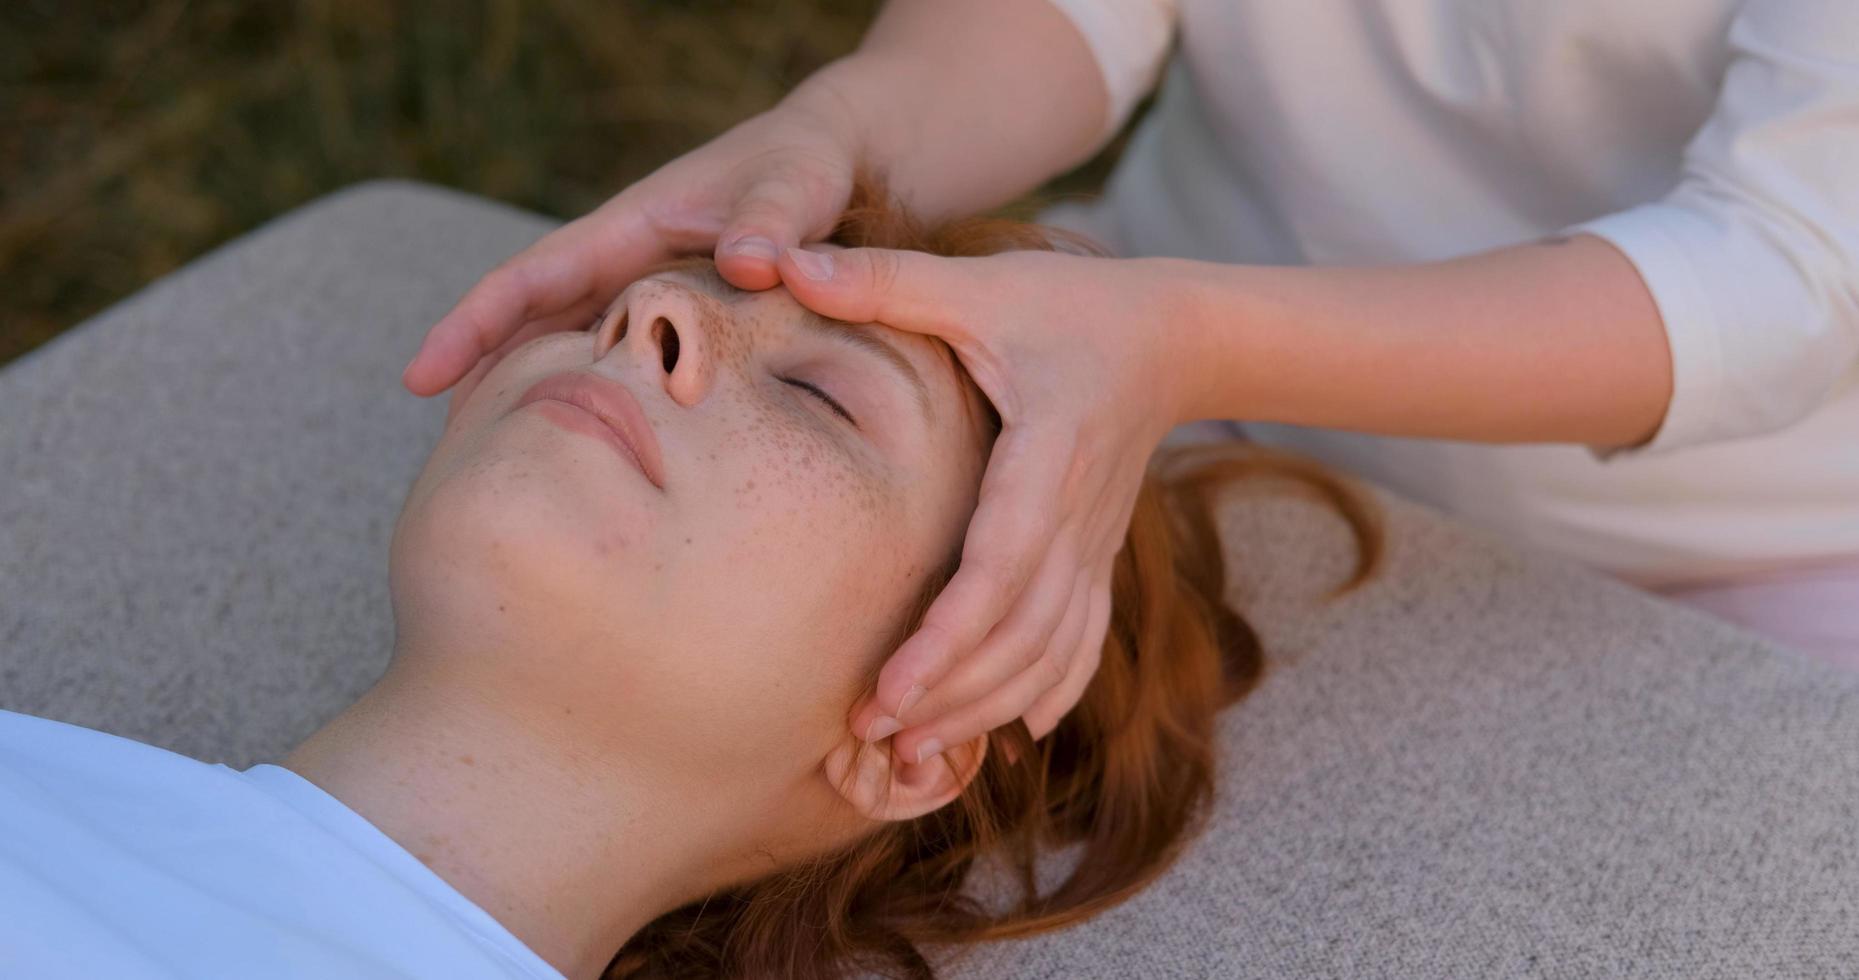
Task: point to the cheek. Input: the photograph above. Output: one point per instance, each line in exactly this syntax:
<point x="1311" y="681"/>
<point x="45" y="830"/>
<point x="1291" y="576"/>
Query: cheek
<point x="801" y="477"/>
<point x="816" y="554"/>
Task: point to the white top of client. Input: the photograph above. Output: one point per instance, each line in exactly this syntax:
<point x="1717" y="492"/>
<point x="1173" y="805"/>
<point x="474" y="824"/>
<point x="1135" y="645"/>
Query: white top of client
<point x="1715" y="142"/>
<point x="120" y="859"/>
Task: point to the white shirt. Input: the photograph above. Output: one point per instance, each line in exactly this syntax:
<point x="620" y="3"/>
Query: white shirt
<point x="1715" y="142"/>
<point x="126" y="861"/>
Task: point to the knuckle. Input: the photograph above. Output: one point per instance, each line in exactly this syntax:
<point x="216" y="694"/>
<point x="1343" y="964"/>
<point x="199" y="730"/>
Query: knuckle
<point x="510" y="279"/>
<point x="791" y="182"/>
<point x="996" y="715"/>
<point x="792" y="167"/>
<point x="512" y="273"/>
<point x="941" y="632"/>
<point x="1007" y="569"/>
<point x="757" y="212"/>
<point x="938" y="704"/>
<point x="1028" y="651"/>
<point x="893" y="680"/>
<point x="935" y="643"/>
<point x="1052" y="670"/>
<point x="884" y="269"/>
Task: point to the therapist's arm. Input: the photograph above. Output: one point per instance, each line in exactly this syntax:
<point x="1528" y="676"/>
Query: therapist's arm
<point x="964" y="105"/>
<point x="1549" y="342"/>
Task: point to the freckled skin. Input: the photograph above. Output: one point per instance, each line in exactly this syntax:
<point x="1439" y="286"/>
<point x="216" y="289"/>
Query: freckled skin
<point x="746" y="603"/>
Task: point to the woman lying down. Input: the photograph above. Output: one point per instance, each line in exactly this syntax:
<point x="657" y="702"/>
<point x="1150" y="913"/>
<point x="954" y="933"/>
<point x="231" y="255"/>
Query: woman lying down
<point x="613" y="740"/>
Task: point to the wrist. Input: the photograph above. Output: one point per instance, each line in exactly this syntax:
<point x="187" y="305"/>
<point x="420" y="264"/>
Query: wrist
<point x="1200" y="318"/>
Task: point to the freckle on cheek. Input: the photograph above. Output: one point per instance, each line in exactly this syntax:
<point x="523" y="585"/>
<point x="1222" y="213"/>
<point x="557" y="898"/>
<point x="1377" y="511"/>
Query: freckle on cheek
<point x="606" y="544"/>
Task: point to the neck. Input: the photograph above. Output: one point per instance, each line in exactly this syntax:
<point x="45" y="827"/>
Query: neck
<point x="570" y="850"/>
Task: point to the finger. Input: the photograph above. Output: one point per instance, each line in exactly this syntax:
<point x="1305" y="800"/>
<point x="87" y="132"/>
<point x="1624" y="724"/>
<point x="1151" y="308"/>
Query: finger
<point x="1087" y="653"/>
<point x="1010" y="648"/>
<point x="991" y="712"/>
<point x="576" y="317"/>
<point x="580" y="316"/>
<point x="1050" y="659"/>
<point x="777" y="212"/>
<point x="1110" y="526"/>
<point x="1007" y="538"/>
<point x="908" y="290"/>
<point x="564" y="268"/>
<point x="1019" y="641"/>
<point x="535" y="282"/>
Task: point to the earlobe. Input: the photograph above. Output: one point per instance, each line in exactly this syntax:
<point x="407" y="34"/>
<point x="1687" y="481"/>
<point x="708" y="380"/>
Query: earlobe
<point x="881" y="787"/>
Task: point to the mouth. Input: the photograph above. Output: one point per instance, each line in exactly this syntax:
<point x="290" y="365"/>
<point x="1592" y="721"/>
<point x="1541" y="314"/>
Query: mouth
<point x="609" y="403"/>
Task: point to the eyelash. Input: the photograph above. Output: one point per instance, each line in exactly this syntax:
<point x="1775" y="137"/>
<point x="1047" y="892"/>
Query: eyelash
<point x="815" y="391"/>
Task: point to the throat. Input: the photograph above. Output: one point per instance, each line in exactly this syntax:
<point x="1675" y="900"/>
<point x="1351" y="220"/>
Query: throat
<point x="571" y="857"/>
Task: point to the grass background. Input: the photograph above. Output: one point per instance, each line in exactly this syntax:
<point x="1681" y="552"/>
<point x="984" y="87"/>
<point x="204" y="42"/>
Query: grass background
<point x="137" y="134"/>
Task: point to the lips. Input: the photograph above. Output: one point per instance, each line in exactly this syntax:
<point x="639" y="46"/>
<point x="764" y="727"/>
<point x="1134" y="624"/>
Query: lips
<point x="616" y="409"/>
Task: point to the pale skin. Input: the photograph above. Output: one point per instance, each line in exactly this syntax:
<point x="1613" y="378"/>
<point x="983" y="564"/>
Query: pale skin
<point x="608" y="698"/>
<point x="1090" y="361"/>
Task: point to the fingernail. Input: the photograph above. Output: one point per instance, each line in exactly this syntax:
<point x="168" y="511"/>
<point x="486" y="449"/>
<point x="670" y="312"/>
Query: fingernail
<point x="817" y="266"/>
<point x="910" y="699"/>
<point x="754" y="246"/>
<point x="929" y="748"/>
<point x="882" y="727"/>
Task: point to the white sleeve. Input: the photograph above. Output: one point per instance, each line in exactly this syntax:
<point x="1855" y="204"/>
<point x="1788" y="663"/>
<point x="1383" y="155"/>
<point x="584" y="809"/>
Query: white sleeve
<point x="1753" y="258"/>
<point x="1130" y="40"/>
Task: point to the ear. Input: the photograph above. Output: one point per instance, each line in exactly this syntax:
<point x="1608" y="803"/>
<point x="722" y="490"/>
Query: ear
<point x="880" y="786"/>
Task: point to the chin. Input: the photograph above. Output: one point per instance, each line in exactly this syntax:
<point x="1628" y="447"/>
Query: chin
<point x="537" y="534"/>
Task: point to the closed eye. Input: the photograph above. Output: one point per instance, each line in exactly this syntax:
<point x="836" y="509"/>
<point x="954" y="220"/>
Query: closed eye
<point x="815" y="391"/>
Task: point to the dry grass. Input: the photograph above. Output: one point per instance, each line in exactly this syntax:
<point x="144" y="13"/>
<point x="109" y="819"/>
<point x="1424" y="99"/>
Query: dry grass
<point x="136" y="134"/>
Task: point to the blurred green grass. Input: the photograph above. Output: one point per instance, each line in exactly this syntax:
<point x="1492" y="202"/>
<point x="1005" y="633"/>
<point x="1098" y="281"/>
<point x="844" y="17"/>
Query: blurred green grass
<point x="136" y="135"/>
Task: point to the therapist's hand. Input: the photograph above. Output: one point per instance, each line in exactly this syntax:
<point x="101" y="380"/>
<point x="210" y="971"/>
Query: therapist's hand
<point x="776" y="179"/>
<point x="1084" y="359"/>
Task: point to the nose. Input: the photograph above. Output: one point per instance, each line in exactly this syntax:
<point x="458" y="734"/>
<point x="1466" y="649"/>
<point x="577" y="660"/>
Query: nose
<point x="660" y="328"/>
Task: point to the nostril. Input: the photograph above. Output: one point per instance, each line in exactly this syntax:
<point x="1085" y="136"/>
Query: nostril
<point x="666" y="336"/>
<point x="620" y="331"/>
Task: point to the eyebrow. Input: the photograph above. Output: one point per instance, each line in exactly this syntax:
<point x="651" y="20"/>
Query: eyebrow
<point x="856" y="335"/>
<point x="861" y="337"/>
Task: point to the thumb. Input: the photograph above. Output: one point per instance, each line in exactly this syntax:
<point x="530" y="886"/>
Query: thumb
<point x="912" y="291"/>
<point x="772" y="215"/>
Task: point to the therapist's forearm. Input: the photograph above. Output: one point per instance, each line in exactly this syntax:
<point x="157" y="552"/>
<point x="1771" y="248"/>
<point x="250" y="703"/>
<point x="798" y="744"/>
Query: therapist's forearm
<point x="964" y="104"/>
<point x="1546" y="342"/>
